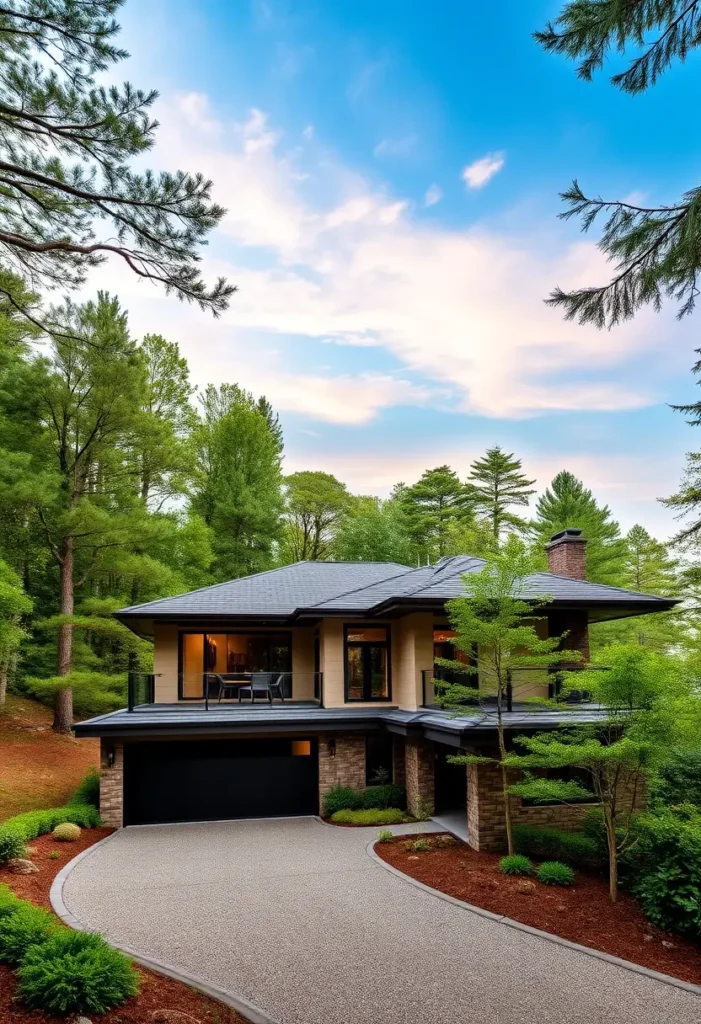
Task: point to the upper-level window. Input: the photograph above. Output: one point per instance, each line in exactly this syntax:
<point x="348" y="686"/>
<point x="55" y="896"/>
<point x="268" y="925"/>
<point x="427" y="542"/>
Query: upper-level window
<point x="444" y="647"/>
<point x="367" y="669"/>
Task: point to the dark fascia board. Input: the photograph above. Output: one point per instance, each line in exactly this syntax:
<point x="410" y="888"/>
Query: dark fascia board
<point x="124" y="730"/>
<point x="613" y="610"/>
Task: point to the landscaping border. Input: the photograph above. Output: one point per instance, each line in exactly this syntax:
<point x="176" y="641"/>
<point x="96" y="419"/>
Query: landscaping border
<point x="510" y="923"/>
<point x="249" y="1010"/>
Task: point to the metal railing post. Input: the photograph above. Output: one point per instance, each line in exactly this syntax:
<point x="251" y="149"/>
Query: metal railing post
<point x="130" y="691"/>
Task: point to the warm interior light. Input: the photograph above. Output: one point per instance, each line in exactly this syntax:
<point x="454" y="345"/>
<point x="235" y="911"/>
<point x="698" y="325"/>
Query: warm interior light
<point x="301" y="748"/>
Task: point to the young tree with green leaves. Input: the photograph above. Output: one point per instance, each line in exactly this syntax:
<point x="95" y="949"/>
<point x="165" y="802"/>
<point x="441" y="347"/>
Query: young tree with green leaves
<point x="316" y="504"/>
<point x="568" y="503"/>
<point x="496" y="625"/>
<point x="238" y="488"/>
<point x="66" y="163"/>
<point x="649" y="707"/>
<point x="14" y="604"/>
<point x="434" y="503"/>
<point x="656" y="250"/>
<point x="497" y="485"/>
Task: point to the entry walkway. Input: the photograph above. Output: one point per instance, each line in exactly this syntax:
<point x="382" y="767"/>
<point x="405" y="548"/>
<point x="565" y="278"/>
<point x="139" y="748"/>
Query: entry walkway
<point x="294" y="916"/>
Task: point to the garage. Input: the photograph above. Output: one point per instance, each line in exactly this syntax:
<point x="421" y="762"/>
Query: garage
<point x="210" y="780"/>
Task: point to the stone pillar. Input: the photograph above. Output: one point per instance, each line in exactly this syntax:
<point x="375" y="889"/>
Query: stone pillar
<point x="420" y="784"/>
<point x="486" y="829"/>
<point x="341" y="762"/>
<point x="398" y="761"/>
<point x="111" y="784"/>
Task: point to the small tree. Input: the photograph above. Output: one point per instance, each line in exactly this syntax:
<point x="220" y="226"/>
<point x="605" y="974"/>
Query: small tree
<point x="648" y="702"/>
<point x="496" y="625"/>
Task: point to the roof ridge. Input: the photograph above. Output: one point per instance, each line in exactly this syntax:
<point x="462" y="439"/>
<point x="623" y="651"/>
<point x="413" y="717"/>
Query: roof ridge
<point x="365" y="586"/>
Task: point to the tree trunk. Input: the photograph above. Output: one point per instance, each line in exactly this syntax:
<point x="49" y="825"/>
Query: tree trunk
<point x="507" y="810"/>
<point x="4" y="671"/>
<point x="63" y="703"/>
<point x="612" y="854"/>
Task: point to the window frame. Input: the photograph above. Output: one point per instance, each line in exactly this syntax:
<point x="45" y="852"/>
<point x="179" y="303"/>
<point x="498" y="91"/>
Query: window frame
<point x="221" y="632"/>
<point x="367" y="683"/>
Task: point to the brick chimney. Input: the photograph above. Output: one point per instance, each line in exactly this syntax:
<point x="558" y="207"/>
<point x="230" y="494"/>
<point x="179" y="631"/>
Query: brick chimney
<point x="566" y="554"/>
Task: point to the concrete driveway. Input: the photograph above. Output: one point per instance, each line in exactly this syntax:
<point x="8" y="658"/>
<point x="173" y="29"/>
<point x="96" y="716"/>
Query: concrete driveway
<point x="294" y="916"/>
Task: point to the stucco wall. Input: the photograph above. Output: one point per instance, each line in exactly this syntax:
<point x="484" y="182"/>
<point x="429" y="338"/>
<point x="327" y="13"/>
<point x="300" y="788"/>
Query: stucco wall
<point x="412" y="651"/>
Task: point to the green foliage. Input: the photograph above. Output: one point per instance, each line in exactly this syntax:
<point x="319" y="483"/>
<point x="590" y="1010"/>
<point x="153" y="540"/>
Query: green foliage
<point x="516" y="864"/>
<point x="437" y="502"/>
<point x="571" y="847"/>
<point x="553" y="872"/>
<point x="568" y="503"/>
<point x="88" y="792"/>
<point x="384" y="796"/>
<point x="66" y="832"/>
<point x="9" y="903"/>
<point x="27" y="926"/>
<point x="496" y="484"/>
<point x="342" y="798"/>
<point x="679" y="778"/>
<point x="419" y="845"/>
<point x="549" y="791"/>
<point x="385" y="835"/>
<point x="316" y="504"/>
<point x="667" y="869"/>
<point x="374" y="531"/>
<point x="369" y="816"/>
<point x="17" y="831"/>
<point x="75" y="972"/>
<point x="94" y="693"/>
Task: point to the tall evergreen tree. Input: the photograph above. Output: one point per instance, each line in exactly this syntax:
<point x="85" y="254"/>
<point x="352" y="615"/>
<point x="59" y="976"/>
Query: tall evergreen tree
<point x="65" y="153"/>
<point x="656" y="250"/>
<point x="434" y="503"/>
<point x="238" y="481"/>
<point x="14" y="604"/>
<point x="497" y="485"/>
<point x="687" y="501"/>
<point x="315" y="506"/>
<point x="568" y="503"/>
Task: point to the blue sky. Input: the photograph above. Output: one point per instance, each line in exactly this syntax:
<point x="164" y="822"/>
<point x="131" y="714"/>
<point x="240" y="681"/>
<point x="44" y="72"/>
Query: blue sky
<point x="391" y="175"/>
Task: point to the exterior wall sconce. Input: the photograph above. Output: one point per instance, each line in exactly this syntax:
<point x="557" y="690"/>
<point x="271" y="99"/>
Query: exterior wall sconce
<point x="111" y="757"/>
<point x="332" y="748"/>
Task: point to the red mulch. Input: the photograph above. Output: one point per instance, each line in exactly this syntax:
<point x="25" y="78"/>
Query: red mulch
<point x="583" y="913"/>
<point x="157" y="992"/>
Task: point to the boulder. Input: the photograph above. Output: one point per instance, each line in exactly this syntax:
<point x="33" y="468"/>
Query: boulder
<point x="526" y="887"/>
<point x="20" y="866"/>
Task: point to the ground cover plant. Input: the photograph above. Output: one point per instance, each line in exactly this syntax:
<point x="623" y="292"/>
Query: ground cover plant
<point x="554" y="872"/>
<point x="18" y="831"/>
<point x="515" y="864"/>
<point x="370" y="816"/>
<point x="345" y="798"/>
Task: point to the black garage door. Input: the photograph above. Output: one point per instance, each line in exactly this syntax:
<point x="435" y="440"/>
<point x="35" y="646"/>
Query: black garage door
<point x="206" y="780"/>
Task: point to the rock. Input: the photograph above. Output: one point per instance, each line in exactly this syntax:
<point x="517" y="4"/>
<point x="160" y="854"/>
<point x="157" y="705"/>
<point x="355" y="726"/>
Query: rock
<point x="526" y="887"/>
<point x="561" y="908"/>
<point x="20" y="866"/>
<point x="31" y="850"/>
<point x="81" y="1020"/>
<point x="413" y="858"/>
<point x="647" y="937"/>
<point x="173" y="1017"/>
<point x="668" y="945"/>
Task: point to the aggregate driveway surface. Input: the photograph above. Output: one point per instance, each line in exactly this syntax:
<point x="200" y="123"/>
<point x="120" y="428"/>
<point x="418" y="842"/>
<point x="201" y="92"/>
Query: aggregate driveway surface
<point x="294" y="916"/>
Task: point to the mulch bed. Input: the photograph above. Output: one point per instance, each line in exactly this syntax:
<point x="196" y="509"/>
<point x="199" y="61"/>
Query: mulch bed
<point x="157" y="992"/>
<point x="583" y="913"/>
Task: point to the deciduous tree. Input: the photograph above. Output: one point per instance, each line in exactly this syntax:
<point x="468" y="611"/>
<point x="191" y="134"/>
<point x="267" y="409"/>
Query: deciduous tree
<point x="315" y="505"/>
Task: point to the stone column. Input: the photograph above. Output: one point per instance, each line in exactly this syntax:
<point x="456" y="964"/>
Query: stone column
<point x="486" y="829"/>
<point x="112" y="784"/>
<point x="341" y="763"/>
<point x="420" y="784"/>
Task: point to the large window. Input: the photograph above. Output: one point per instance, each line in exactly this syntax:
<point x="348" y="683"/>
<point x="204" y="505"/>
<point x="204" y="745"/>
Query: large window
<point x="232" y="654"/>
<point x="444" y="647"/>
<point x="367" y="663"/>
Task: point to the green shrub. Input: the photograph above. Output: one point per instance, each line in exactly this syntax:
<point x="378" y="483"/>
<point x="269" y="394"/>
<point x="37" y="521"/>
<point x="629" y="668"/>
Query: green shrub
<point x="369" y="816"/>
<point x="75" y="972"/>
<point x="385" y="836"/>
<point x="571" y="847"/>
<point x="18" y="831"/>
<point x="26" y="926"/>
<point x="515" y="864"/>
<point x="554" y="872"/>
<point x="384" y="796"/>
<point x="66" y="832"/>
<point x="9" y="903"/>
<point x="88" y="792"/>
<point x="54" y="855"/>
<point x="667" y="879"/>
<point x="342" y="798"/>
<point x="680" y="779"/>
<point x="419" y="845"/>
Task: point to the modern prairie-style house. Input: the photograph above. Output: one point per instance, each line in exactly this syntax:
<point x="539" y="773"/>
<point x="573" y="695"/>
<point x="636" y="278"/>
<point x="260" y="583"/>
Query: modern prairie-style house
<point x="269" y="690"/>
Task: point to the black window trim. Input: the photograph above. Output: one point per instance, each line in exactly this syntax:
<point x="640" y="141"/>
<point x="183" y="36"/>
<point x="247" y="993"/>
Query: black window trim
<point x="221" y="632"/>
<point x="367" y="643"/>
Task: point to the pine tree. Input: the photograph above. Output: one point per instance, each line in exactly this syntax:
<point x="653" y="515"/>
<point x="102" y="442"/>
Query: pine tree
<point x="497" y="484"/>
<point x="568" y="503"/>
<point x="656" y="250"/>
<point x="433" y="504"/>
<point x="687" y="501"/>
<point x="65" y="156"/>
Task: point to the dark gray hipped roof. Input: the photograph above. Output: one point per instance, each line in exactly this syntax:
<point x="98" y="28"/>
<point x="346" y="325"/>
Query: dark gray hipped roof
<point x="374" y="588"/>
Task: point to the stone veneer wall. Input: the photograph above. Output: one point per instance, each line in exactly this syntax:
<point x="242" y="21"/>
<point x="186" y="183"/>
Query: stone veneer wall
<point x="420" y="783"/>
<point x="344" y="767"/>
<point x="112" y="785"/>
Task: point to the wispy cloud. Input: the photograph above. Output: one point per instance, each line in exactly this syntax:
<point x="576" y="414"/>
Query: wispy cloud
<point x="366" y="79"/>
<point x="395" y="147"/>
<point x="434" y="194"/>
<point x="478" y="173"/>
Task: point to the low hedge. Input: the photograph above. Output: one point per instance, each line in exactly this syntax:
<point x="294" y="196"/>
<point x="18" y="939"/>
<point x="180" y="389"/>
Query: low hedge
<point x="26" y="926"/>
<point x="552" y="844"/>
<point x="345" y="798"/>
<point x="370" y="816"/>
<point x="88" y="792"/>
<point x="16" y="832"/>
<point x="666" y="872"/>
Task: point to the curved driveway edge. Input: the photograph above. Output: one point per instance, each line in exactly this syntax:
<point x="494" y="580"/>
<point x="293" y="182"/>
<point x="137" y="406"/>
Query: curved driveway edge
<point x="667" y="979"/>
<point x="294" y="917"/>
<point x="252" y="1013"/>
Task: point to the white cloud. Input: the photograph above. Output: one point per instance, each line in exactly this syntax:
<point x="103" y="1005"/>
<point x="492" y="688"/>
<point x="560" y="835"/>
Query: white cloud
<point x="308" y="132"/>
<point x="478" y="173"/>
<point x="395" y="147"/>
<point x="434" y="194"/>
